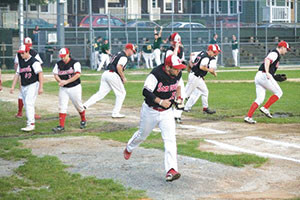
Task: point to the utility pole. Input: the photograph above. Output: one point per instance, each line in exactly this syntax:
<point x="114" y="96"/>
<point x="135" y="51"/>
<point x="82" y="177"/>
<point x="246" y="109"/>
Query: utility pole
<point x="60" y="23"/>
<point x="91" y="34"/>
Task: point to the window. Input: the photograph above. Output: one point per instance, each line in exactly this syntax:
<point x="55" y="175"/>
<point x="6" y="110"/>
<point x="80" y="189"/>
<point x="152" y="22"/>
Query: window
<point x="168" y="6"/>
<point x="154" y="3"/>
<point x="240" y="6"/>
<point x="232" y="7"/>
<point x="180" y="6"/>
<point x="33" y="7"/>
<point x="44" y="8"/>
<point x="118" y="22"/>
<point x="82" y="5"/>
<point x="268" y="2"/>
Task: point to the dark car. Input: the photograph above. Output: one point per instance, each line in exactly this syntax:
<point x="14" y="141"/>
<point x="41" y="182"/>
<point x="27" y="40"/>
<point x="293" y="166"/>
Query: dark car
<point x="101" y="21"/>
<point x="145" y="24"/>
<point x="31" y="23"/>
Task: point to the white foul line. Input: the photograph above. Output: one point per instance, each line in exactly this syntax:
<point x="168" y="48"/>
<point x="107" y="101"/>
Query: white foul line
<point x="274" y="142"/>
<point x="235" y="148"/>
<point x="202" y="129"/>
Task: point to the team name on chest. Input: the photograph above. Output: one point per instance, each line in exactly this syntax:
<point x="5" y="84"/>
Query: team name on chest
<point x="65" y="72"/>
<point x="166" y="88"/>
<point x="25" y="69"/>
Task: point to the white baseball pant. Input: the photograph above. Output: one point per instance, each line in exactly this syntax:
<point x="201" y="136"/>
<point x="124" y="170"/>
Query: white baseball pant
<point x="104" y="60"/>
<point x="109" y="81"/>
<point x="195" y="88"/>
<point x="262" y="84"/>
<point x="235" y="56"/>
<point x="96" y="59"/>
<point x="148" y="60"/>
<point x="29" y="94"/>
<point x="165" y="120"/>
<point x="156" y="53"/>
<point x="73" y="93"/>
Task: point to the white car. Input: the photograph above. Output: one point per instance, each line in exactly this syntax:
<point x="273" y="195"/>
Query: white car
<point x="184" y="25"/>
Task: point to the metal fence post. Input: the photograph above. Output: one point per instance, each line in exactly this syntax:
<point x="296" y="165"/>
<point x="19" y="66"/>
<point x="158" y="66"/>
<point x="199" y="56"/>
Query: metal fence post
<point x="266" y="40"/>
<point x="137" y="39"/>
<point x="190" y="19"/>
<point x="222" y="47"/>
<point x="91" y="33"/>
<point x="109" y="30"/>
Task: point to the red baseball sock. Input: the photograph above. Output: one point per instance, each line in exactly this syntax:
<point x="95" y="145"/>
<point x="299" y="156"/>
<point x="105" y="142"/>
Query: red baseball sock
<point x="82" y="115"/>
<point x="271" y="100"/>
<point x="253" y="107"/>
<point x="204" y="109"/>
<point x="62" y="118"/>
<point x="20" y="106"/>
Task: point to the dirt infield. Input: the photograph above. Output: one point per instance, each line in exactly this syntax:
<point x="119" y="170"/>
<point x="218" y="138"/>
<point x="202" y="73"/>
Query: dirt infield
<point x="90" y="156"/>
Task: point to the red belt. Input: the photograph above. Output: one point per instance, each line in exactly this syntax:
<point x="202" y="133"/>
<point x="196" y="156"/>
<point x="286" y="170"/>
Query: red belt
<point x="158" y="109"/>
<point x="111" y="71"/>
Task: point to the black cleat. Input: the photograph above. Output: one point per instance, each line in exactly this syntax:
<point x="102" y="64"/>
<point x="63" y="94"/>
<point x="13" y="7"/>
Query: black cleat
<point x="209" y="111"/>
<point x="58" y="129"/>
<point x="178" y="120"/>
<point x="82" y="124"/>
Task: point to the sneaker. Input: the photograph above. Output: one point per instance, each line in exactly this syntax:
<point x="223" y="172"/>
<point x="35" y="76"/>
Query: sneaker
<point x="18" y="115"/>
<point x="266" y="112"/>
<point x="172" y="175"/>
<point x="58" y="129"/>
<point x="249" y="120"/>
<point x="178" y="120"/>
<point x="82" y="124"/>
<point x="84" y="107"/>
<point x="36" y="116"/>
<point x="28" y="128"/>
<point x="187" y="110"/>
<point x="209" y="111"/>
<point x="118" y="115"/>
<point x="126" y="154"/>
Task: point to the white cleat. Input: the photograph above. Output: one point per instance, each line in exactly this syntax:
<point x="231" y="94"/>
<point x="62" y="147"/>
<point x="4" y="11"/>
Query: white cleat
<point x="249" y="120"/>
<point x="28" y="128"/>
<point x="118" y="115"/>
<point x="266" y="112"/>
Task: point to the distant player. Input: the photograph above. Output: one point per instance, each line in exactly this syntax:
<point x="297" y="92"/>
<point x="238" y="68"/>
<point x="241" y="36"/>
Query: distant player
<point x="196" y="87"/>
<point x="30" y="71"/>
<point x="97" y="52"/>
<point x="114" y="79"/>
<point x="161" y="89"/>
<point x="67" y="73"/>
<point x="105" y="53"/>
<point x="264" y="80"/>
<point x="147" y="54"/>
<point x="156" y="45"/>
<point x="33" y="53"/>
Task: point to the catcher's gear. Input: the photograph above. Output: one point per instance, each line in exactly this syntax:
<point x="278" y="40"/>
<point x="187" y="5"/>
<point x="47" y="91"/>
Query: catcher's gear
<point x="179" y="104"/>
<point x="280" y="77"/>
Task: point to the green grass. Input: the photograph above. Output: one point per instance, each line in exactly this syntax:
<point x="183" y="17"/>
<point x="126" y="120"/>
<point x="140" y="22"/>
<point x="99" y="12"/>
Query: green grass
<point x="46" y="178"/>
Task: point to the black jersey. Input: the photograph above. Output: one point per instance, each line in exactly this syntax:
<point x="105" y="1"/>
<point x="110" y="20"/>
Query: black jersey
<point x="196" y="66"/>
<point x="114" y="62"/>
<point x="26" y="71"/>
<point x="273" y="66"/>
<point x="67" y="71"/>
<point x="166" y="86"/>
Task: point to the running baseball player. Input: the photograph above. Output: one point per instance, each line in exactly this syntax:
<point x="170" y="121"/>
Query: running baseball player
<point x="33" y="53"/>
<point x="264" y="80"/>
<point x="67" y="74"/>
<point x="114" y="79"/>
<point x="176" y="48"/>
<point x="156" y="45"/>
<point x="161" y="89"/>
<point x="147" y="54"/>
<point x="105" y="53"/>
<point x="30" y="71"/>
<point x="196" y="87"/>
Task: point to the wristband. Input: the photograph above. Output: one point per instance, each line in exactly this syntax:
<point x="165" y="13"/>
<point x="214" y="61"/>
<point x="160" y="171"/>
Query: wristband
<point x="160" y="102"/>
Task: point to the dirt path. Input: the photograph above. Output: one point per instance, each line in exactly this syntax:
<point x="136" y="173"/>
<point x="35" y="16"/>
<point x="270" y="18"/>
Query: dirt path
<point x="279" y="178"/>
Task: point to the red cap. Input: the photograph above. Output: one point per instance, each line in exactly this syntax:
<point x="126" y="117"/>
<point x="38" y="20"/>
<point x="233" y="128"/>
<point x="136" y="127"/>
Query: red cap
<point x="284" y="44"/>
<point x="175" y="37"/>
<point x="63" y="52"/>
<point x="130" y="46"/>
<point x="174" y="61"/>
<point x="23" y="48"/>
<point x="28" y="41"/>
<point x="214" y="48"/>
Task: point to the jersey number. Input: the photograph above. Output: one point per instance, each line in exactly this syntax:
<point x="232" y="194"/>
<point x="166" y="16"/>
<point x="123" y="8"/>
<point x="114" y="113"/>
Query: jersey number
<point x="28" y="75"/>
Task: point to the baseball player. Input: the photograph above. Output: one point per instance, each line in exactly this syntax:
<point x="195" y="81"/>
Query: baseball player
<point x="264" y="80"/>
<point x="97" y="52"/>
<point x="105" y="53"/>
<point x="161" y="89"/>
<point x="67" y="74"/>
<point x="147" y="54"/>
<point x="196" y="87"/>
<point x="156" y="45"/>
<point x="33" y="53"/>
<point x="114" y="79"/>
<point x="30" y="71"/>
<point x="175" y="40"/>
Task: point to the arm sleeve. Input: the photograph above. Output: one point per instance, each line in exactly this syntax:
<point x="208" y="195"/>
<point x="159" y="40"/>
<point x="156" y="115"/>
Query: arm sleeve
<point x="204" y="62"/>
<point x="149" y="87"/>
<point x="272" y="56"/>
<point x="37" y="67"/>
<point x="77" y="67"/>
<point x="55" y="69"/>
<point x="16" y="61"/>
<point x="39" y="58"/>
<point x="123" y="60"/>
<point x="213" y="64"/>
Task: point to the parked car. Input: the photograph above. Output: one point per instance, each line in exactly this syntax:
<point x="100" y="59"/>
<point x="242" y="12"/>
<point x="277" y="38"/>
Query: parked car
<point x="272" y="26"/>
<point x="101" y="21"/>
<point x="31" y="23"/>
<point x="184" y="25"/>
<point x="145" y="24"/>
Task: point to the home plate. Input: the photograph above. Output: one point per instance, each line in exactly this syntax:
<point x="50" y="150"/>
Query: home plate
<point x="202" y="129"/>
